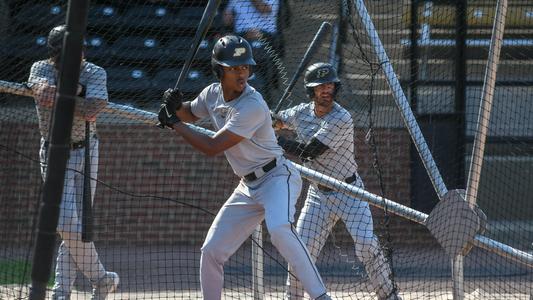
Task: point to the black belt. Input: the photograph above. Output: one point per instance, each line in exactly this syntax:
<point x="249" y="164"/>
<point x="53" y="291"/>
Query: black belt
<point x="269" y="166"/>
<point x="75" y="145"/>
<point x="325" y="189"/>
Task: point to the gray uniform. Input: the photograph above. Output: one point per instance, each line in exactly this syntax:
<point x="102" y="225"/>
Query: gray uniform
<point x="324" y="207"/>
<point x="271" y="196"/>
<point x="73" y="254"/>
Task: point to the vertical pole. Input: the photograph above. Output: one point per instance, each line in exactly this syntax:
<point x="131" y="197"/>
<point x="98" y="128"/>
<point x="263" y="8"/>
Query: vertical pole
<point x="485" y="107"/>
<point x="257" y="263"/>
<point x="457" y="277"/>
<point x="59" y="148"/>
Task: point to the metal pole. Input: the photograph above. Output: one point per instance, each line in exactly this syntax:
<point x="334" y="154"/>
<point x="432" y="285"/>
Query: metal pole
<point x="486" y="103"/>
<point x="411" y="214"/>
<point x="257" y="263"/>
<point x="485" y="107"/>
<point x="401" y="102"/>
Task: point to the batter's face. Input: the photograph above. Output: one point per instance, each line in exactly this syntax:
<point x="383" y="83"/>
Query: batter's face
<point x="234" y="81"/>
<point x="324" y="98"/>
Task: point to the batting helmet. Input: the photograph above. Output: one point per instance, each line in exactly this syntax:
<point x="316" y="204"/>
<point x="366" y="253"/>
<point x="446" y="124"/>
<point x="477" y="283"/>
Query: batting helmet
<point x="55" y="40"/>
<point x="320" y="73"/>
<point x="229" y="51"/>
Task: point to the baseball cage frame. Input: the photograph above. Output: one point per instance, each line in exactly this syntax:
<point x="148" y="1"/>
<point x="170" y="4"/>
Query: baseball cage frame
<point x="439" y="96"/>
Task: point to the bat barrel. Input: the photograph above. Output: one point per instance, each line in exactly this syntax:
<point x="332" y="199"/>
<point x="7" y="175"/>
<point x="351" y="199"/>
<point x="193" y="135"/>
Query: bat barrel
<point x="203" y="27"/>
<point x="320" y="34"/>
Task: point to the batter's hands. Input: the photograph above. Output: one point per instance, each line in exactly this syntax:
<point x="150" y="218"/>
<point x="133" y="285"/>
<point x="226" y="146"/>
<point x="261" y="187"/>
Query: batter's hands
<point x="167" y="117"/>
<point x="277" y="124"/>
<point x="44" y="93"/>
<point x="173" y="98"/>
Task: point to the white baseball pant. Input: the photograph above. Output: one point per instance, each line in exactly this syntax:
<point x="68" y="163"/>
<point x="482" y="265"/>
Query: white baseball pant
<point x="73" y="254"/>
<point x="320" y="213"/>
<point x="272" y="198"/>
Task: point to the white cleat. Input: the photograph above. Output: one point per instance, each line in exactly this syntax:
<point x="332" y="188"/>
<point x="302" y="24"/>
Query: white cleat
<point x="105" y="285"/>
<point x="324" y="297"/>
<point x="57" y="295"/>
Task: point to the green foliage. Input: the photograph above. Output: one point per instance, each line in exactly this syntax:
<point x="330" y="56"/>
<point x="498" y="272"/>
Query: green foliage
<point x="17" y="272"/>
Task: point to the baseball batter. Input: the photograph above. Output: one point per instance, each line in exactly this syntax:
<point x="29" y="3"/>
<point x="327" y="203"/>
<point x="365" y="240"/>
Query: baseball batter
<point x="73" y="254"/>
<point x="326" y="144"/>
<point x="269" y="186"/>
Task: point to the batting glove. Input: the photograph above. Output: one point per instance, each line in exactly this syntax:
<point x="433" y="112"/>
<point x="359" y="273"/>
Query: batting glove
<point x="167" y="117"/>
<point x="173" y="98"/>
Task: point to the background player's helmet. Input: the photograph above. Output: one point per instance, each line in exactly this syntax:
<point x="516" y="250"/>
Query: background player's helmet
<point x="320" y="73"/>
<point x="55" y="40"/>
<point x="229" y="51"/>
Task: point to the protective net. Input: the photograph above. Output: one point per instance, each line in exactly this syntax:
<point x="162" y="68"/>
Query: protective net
<point x="410" y="188"/>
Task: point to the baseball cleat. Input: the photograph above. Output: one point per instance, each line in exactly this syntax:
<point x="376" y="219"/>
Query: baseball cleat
<point x="58" y="295"/>
<point x="105" y="285"/>
<point x="324" y="297"/>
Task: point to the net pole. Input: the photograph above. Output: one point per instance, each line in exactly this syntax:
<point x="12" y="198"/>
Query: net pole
<point x="485" y="107"/>
<point x="401" y="101"/>
<point x="60" y="132"/>
<point x="257" y="263"/>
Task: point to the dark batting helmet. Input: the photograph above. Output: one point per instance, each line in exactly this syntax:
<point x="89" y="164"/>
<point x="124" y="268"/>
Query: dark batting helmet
<point x="55" y="40"/>
<point x="229" y="51"/>
<point x="320" y="73"/>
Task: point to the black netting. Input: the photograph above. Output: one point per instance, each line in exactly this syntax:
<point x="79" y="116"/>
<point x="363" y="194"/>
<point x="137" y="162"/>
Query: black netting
<point x="382" y="209"/>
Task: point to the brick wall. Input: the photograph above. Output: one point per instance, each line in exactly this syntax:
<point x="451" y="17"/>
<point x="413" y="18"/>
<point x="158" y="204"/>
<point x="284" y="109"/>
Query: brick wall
<point x="157" y="189"/>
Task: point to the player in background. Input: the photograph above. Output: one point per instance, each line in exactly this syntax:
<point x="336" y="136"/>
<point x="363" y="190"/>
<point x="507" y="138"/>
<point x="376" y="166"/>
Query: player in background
<point x="73" y="254"/>
<point x="269" y="185"/>
<point x="325" y="142"/>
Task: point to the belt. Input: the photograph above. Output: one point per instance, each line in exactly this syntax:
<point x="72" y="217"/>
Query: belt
<point x="325" y="189"/>
<point x="74" y="145"/>
<point x="253" y="176"/>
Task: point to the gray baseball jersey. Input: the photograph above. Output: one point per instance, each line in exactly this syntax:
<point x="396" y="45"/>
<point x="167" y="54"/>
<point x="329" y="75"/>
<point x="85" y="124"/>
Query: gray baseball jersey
<point x="323" y="208"/>
<point x="247" y="116"/>
<point x="93" y="77"/>
<point x="73" y="254"/>
<point x="271" y="196"/>
<point x="334" y="130"/>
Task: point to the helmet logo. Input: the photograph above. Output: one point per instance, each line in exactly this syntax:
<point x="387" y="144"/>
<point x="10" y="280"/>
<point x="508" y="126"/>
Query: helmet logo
<point x="239" y="51"/>
<point x="322" y="72"/>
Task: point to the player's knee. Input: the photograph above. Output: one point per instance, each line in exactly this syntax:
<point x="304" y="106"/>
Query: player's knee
<point x="367" y="248"/>
<point x="279" y="233"/>
<point x="69" y="234"/>
<point x="213" y="252"/>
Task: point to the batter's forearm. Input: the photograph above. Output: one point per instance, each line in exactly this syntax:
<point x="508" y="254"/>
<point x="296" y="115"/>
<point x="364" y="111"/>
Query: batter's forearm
<point x="185" y="114"/>
<point x="196" y="139"/>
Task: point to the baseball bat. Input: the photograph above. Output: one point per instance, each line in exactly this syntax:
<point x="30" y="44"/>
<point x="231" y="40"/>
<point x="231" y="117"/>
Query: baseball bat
<point x="131" y="113"/>
<point x="87" y="207"/>
<point x="207" y="18"/>
<point x="23" y="89"/>
<point x="311" y="49"/>
<point x="15" y="88"/>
